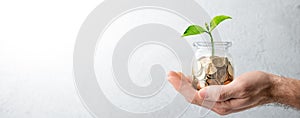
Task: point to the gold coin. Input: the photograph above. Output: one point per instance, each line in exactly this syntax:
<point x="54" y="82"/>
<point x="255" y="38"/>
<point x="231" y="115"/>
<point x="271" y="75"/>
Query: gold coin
<point x="219" y="61"/>
<point x="213" y="82"/>
<point x="230" y="69"/>
<point x="211" y="69"/>
<point x="195" y="82"/>
<point x="222" y="74"/>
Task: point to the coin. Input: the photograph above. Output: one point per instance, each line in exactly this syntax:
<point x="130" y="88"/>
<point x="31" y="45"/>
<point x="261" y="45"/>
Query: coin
<point x="212" y="82"/>
<point x="230" y="69"/>
<point x="211" y="69"/>
<point x="219" y="61"/>
<point x="211" y="76"/>
<point x="222" y="74"/>
<point x="205" y="60"/>
<point x="226" y="82"/>
<point x="195" y="82"/>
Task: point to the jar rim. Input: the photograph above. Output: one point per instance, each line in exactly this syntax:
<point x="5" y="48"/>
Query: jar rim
<point x="220" y="44"/>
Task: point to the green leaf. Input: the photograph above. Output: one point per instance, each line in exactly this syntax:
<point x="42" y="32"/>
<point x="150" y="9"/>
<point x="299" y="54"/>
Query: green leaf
<point x="217" y="20"/>
<point x="193" y="30"/>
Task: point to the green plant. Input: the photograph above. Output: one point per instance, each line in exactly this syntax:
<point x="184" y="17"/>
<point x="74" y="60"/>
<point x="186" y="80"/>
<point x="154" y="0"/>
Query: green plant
<point x="196" y="29"/>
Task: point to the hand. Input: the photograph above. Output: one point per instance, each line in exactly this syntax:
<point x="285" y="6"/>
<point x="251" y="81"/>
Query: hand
<point x="246" y="91"/>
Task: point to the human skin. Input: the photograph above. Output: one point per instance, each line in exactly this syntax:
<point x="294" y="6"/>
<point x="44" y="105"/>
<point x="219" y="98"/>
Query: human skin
<point x="246" y="91"/>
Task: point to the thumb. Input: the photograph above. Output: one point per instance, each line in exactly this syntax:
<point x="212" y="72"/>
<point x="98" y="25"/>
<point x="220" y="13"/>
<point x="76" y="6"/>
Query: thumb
<point x="217" y="93"/>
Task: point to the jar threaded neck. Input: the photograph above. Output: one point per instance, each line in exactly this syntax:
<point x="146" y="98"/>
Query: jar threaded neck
<point x="224" y="45"/>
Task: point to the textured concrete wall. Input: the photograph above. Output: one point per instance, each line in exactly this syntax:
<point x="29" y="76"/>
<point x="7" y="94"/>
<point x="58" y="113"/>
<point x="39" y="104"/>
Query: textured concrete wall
<point x="266" y="33"/>
<point x="265" y="36"/>
<point x="36" y="73"/>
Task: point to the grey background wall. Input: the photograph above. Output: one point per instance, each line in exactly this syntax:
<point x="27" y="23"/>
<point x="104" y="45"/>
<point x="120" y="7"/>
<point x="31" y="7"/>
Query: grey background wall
<point x="265" y="36"/>
<point x="37" y="39"/>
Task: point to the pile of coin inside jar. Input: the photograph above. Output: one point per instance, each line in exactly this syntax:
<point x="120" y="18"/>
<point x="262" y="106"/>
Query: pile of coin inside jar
<point x="213" y="70"/>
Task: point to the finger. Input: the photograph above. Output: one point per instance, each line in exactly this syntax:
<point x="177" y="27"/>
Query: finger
<point x="184" y="87"/>
<point x="243" y="108"/>
<point x="174" y="79"/>
<point x="174" y="74"/>
<point x="233" y="103"/>
<point x="225" y="111"/>
<point x="218" y="92"/>
<point x="177" y="79"/>
<point x="184" y="77"/>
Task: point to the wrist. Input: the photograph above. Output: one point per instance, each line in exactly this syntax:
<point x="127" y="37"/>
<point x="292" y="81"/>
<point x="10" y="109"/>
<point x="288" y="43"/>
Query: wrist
<point x="285" y="91"/>
<point x="277" y="88"/>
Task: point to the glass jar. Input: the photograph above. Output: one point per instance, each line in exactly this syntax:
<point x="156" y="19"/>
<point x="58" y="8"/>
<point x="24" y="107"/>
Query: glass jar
<point x="212" y="67"/>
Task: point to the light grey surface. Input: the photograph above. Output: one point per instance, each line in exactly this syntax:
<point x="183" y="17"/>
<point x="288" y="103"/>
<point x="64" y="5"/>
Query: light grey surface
<point x="37" y="39"/>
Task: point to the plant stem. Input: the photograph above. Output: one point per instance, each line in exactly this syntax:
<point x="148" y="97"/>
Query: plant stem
<point x="211" y="40"/>
<point x="212" y="44"/>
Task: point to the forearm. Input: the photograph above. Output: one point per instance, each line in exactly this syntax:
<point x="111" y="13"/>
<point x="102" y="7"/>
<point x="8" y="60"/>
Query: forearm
<point x="286" y="91"/>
